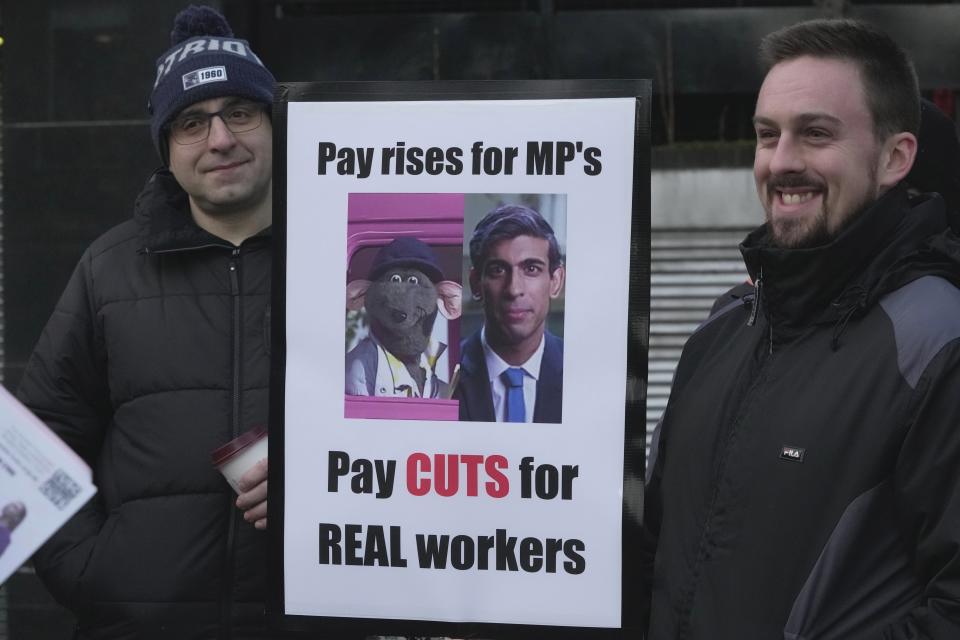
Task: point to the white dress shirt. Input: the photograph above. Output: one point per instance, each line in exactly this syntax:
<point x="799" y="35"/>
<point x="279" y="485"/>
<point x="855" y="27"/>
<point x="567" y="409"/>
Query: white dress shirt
<point x="498" y="390"/>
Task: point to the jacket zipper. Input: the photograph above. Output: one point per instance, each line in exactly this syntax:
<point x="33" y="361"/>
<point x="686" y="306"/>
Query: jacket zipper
<point x="705" y="545"/>
<point x="226" y="599"/>
<point x="755" y="309"/>
<point x="757" y="292"/>
<point x="226" y="594"/>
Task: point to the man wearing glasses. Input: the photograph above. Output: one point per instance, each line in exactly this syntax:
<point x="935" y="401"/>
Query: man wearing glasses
<point x="158" y="353"/>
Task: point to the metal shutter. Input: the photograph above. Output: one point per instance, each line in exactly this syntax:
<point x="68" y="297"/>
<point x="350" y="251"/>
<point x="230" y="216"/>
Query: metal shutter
<point x="690" y="268"/>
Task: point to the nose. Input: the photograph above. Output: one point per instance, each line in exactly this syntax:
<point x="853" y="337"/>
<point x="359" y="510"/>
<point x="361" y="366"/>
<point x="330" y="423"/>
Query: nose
<point x="515" y="283"/>
<point x="398" y="316"/>
<point x="787" y="157"/>
<point x="220" y="137"/>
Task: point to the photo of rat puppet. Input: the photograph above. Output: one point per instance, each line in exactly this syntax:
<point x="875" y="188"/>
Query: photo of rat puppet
<point x="402" y="297"/>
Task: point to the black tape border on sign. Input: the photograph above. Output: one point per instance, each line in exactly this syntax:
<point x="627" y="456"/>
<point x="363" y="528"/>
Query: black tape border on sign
<point x="633" y="592"/>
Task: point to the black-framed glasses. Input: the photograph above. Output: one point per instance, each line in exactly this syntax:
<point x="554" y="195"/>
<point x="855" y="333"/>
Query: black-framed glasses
<point x="238" y="117"/>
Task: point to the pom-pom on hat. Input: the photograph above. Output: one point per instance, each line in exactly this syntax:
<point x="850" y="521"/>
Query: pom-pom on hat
<point x="204" y="61"/>
<point x="406" y="252"/>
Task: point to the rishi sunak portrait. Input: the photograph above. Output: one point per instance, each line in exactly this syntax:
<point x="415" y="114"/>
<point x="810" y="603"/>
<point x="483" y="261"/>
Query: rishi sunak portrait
<point x="511" y="370"/>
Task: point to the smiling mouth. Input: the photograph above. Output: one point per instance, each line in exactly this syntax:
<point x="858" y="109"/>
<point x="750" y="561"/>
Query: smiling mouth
<point x="226" y="167"/>
<point x="796" y="198"/>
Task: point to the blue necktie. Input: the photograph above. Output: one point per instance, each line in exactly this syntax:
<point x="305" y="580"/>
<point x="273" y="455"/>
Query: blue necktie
<point x="513" y="379"/>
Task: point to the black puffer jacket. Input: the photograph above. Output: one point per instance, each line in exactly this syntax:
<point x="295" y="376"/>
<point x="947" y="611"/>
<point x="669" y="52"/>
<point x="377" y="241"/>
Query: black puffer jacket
<point x="807" y="478"/>
<point x="156" y="354"/>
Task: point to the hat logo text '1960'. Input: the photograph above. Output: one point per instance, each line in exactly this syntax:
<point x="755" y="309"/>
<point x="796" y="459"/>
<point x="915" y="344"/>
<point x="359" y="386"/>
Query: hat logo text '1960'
<point x="204" y="76"/>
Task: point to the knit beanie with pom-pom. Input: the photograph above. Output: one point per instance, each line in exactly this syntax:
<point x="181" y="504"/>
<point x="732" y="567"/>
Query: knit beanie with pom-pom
<point x="204" y="61"/>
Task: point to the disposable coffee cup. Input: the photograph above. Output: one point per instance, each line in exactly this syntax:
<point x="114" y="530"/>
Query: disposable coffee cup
<point x="240" y="455"/>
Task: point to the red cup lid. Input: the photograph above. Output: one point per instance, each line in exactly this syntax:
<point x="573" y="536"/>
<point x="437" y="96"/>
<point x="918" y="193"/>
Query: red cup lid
<point x="222" y="454"/>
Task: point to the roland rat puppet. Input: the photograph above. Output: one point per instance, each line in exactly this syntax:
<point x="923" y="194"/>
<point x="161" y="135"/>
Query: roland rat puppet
<point x="405" y="292"/>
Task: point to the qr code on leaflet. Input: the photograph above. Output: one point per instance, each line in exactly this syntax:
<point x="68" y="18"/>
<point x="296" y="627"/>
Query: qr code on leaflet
<point x="60" y="489"/>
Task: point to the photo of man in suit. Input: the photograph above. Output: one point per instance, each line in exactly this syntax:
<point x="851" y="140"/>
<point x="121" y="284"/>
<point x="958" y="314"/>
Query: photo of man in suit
<point x="511" y="370"/>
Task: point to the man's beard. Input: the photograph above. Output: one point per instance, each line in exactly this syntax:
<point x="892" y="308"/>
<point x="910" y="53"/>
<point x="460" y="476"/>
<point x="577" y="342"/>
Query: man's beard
<point x="809" y="232"/>
<point x="792" y="233"/>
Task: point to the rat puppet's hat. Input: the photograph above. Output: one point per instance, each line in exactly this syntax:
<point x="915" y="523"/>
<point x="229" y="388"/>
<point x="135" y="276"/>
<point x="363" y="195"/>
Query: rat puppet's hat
<point x="406" y="252"/>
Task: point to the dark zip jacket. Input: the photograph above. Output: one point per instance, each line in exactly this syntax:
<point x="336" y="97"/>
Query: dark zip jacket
<point x="156" y="354"/>
<point x="806" y="475"/>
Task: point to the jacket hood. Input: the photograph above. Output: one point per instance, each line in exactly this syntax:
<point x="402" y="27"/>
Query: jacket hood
<point x="164" y="223"/>
<point x="894" y="242"/>
<point x="162" y="216"/>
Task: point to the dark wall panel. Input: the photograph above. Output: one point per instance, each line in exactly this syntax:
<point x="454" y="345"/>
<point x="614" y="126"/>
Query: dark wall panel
<point x="64" y="186"/>
<point x="929" y="33"/>
<point x="70" y="60"/>
<point x="76" y="78"/>
<point x="338" y="48"/>
<point x="403" y="46"/>
<point x="710" y="51"/>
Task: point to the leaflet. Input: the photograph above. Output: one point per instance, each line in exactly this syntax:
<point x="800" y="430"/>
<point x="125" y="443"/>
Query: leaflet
<point x="42" y="484"/>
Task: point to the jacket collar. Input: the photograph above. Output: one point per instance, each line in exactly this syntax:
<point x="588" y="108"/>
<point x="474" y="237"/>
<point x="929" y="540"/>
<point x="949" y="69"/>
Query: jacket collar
<point x="845" y="276"/>
<point x="162" y="216"/>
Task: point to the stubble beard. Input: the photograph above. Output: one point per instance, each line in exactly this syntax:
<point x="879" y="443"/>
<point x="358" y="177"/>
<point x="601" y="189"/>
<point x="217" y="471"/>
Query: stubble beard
<point x="791" y="233"/>
<point x="808" y="233"/>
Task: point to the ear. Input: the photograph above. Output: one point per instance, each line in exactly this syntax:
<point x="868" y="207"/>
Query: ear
<point x="449" y="299"/>
<point x="557" y="278"/>
<point x="896" y="159"/>
<point x="475" y="289"/>
<point x="356" y="291"/>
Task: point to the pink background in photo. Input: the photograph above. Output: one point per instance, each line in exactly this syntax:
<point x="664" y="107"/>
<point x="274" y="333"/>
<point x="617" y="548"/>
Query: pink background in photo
<point x="374" y="219"/>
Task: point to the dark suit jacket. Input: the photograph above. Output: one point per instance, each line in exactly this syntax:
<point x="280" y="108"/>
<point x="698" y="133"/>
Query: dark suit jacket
<point x="473" y="389"/>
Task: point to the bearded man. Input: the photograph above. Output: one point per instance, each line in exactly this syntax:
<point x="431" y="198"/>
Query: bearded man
<point x="804" y="478"/>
